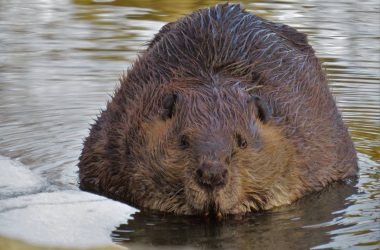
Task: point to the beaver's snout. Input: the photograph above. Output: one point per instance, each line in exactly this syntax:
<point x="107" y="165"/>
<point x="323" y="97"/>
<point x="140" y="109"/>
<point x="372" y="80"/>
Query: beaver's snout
<point x="211" y="174"/>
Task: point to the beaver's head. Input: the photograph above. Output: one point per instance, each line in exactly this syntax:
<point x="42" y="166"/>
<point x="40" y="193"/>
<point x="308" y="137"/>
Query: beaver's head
<point x="213" y="151"/>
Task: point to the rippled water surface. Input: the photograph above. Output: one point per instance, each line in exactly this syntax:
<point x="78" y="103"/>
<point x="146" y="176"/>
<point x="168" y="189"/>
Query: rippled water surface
<point x="59" y="64"/>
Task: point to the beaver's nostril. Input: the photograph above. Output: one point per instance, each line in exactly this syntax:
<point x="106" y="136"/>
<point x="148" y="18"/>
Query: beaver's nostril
<point x="199" y="172"/>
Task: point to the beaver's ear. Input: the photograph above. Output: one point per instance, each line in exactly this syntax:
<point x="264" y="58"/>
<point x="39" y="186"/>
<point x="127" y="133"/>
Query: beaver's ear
<point x="168" y="104"/>
<point x="261" y="108"/>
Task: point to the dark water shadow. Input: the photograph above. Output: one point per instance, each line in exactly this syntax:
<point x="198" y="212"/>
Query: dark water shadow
<point x="302" y="225"/>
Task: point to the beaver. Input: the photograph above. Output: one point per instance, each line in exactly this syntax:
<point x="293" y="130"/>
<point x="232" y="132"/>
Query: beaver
<point x="224" y="113"/>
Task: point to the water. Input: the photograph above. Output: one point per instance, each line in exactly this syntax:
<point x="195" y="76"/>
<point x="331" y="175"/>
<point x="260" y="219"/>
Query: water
<point x="59" y="64"/>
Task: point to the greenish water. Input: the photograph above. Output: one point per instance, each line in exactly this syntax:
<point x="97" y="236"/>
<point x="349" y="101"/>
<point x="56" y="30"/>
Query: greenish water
<point x="59" y="64"/>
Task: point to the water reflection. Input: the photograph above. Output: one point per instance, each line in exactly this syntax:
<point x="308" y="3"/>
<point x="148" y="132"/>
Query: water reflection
<point x="304" y="224"/>
<point x="59" y="64"/>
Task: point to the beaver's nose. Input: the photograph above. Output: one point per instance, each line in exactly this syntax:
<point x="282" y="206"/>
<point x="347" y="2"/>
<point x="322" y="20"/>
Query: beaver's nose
<point x="212" y="174"/>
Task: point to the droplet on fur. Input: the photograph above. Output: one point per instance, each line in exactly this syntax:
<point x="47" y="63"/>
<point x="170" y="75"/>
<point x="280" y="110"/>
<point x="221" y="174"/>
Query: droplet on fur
<point x="219" y="216"/>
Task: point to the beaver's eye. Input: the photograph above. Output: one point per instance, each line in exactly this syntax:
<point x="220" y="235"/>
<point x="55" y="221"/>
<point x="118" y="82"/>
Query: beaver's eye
<point x="184" y="141"/>
<point x="241" y="141"/>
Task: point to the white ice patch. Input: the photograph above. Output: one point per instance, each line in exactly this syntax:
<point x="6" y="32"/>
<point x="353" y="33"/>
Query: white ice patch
<point x="65" y="218"/>
<point x="69" y="176"/>
<point x="16" y="179"/>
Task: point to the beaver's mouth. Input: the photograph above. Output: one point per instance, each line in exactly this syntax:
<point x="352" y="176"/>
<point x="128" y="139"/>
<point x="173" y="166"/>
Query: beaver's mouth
<point x="213" y="211"/>
<point x="212" y="202"/>
<point x="209" y="203"/>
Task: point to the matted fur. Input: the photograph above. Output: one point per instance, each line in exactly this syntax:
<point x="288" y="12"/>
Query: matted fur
<point x="214" y="60"/>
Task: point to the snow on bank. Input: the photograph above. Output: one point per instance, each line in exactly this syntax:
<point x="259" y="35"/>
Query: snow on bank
<point x="65" y="218"/>
<point x="16" y="179"/>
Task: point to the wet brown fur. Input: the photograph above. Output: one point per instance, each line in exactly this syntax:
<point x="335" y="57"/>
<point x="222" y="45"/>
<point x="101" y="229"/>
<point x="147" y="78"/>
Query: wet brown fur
<point x="215" y="59"/>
